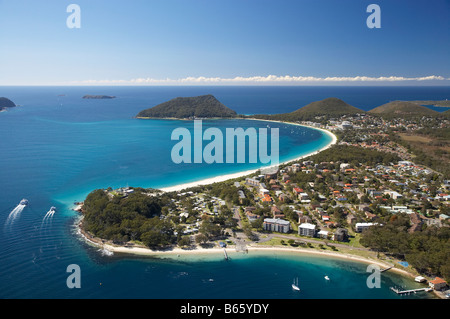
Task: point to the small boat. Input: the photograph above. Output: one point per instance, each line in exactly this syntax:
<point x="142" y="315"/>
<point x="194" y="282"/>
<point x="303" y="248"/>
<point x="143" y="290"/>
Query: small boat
<point x="295" y="285"/>
<point x="420" y="279"/>
<point x="53" y="209"/>
<point x="327" y="278"/>
<point x="24" y="202"/>
<point x="106" y="252"/>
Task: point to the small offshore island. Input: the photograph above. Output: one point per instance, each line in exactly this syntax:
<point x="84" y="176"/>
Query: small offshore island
<point x="6" y="103"/>
<point x="99" y="97"/>
<point x="379" y="195"/>
<point x="205" y="106"/>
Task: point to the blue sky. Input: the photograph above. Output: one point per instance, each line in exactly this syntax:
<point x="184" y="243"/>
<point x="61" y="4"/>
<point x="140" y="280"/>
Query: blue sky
<point x="224" y="42"/>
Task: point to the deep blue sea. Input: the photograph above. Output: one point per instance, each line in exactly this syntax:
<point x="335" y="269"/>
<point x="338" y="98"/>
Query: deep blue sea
<point x="57" y="147"/>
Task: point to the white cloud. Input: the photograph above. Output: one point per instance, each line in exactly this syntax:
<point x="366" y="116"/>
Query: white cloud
<point x="270" y="79"/>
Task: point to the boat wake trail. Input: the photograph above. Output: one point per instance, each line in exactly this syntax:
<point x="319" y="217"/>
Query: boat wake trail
<point x="15" y="213"/>
<point x="48" y="216"/>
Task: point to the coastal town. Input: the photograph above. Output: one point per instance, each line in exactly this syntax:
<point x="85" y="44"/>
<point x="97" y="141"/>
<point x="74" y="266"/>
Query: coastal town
<point x="316" y="204"/>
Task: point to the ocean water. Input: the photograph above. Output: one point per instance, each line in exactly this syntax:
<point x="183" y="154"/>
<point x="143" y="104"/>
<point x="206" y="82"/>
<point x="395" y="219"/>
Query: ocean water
<point x="57" y="147"/>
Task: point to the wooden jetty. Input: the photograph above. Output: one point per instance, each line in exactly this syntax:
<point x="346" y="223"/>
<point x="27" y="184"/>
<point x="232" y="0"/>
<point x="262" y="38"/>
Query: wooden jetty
<point x="403" y="292"/>
<point x="385" y="269"/>
<point x="225" y="254"/>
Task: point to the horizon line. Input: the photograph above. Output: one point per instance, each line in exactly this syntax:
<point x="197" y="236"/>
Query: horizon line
<point x="270" y="80"/>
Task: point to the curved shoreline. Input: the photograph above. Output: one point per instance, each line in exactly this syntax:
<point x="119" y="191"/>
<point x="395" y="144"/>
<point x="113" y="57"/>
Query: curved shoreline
<point x="226" y="177"/>
<point x="176" y="252"/>
<point x="198" y="252"/>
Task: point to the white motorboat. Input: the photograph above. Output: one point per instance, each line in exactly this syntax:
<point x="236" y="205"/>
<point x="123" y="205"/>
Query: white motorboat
<point x="295" y="284"/>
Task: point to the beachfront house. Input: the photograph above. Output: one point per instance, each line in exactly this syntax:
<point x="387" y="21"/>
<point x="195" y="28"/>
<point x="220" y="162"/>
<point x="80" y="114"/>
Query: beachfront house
<point x="263" y="192"/>
<point x="322" y="234"/>
<point x="251" y="216"/>
<point x="276" y="212"/>
<point x="241" y="196"/>
<point x="341" y="234"/>
<point x="252" y="182"/>
<point x="438" y="284"/>
<point x="360" y="227"/>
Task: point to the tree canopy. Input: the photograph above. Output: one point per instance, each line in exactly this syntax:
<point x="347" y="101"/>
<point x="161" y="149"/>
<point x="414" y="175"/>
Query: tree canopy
<point x="121" y="219"/>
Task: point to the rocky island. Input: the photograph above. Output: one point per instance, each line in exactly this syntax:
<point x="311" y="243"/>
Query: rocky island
<point x="204" y="106"/>
<point x="99" y="97"/>
<point x="6" y="103"/>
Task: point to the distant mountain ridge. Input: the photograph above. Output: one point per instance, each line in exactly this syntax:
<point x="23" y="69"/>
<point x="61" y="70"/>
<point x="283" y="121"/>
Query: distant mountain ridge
<point x="204" y="106"/>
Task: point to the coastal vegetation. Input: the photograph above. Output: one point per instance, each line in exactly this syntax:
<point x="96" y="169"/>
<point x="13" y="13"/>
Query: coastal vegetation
<point x="135" y="217"/>
<point x="141" y="216"/>
<point x="430" y="146"/>
<point x="205" y="106"/>
<point x="427" y="250"/>
<point x="354" y="155"/>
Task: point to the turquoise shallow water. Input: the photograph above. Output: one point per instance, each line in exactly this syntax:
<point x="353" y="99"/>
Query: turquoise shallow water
<point x="56" y="149"/>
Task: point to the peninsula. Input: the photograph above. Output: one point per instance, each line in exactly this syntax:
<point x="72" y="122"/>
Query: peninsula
<point x="402" y="108"/>
<point x="441" y="103"/>
<point x="373" y="194"/>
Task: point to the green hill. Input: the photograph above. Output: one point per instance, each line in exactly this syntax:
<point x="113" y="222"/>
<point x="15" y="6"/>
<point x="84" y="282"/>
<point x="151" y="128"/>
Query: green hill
<point x="205" y="106"/>
<point x="5" y="102"/>
<point x="328" y="108"/>
<point x="403" y="108"/>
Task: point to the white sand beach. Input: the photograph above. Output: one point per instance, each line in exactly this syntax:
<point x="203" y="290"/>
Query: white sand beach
<point x="223" y="178"/>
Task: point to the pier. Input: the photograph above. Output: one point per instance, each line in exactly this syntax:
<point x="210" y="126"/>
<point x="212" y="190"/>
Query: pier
<point x="225" y="253"/>
<point x="385" y="269"/>
<point x="403" y="292"/>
